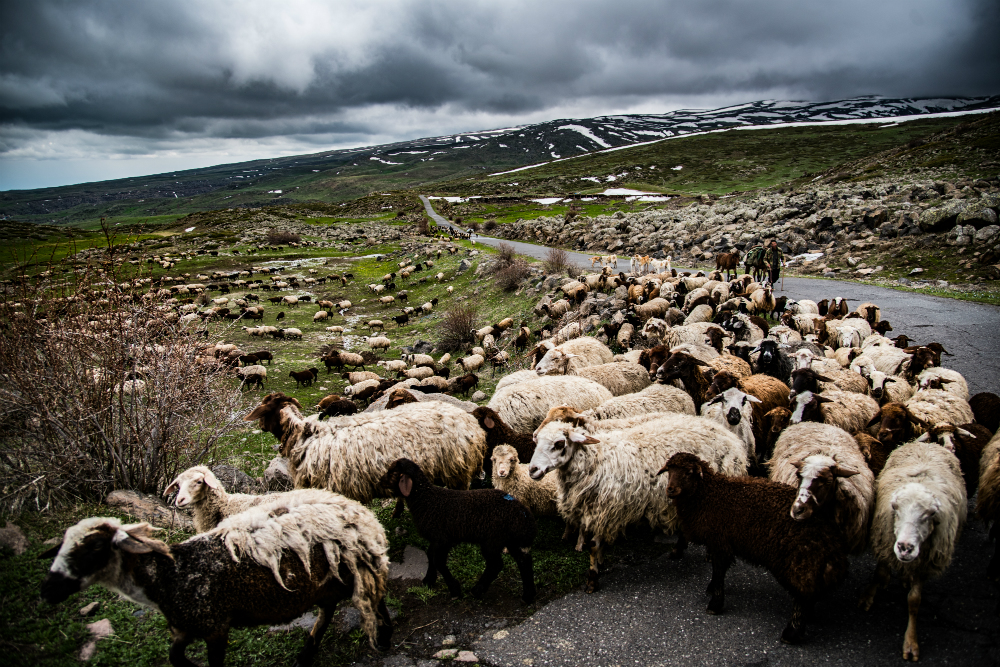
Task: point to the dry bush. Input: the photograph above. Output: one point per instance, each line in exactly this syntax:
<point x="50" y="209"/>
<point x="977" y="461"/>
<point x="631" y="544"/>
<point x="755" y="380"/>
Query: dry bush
<point x="510" y="277"/>
<point x="456" y="327"/>
<point x="556" y="260"/>
<point x="489" y="225"/>
<point x="282" y="236"/>
<point x="505" y="255"/>
<point x="102" y="394"/>
<point x="423" y="225"/>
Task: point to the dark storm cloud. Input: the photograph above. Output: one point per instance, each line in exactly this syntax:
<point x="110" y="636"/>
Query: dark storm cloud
<point x="220" y="69"/>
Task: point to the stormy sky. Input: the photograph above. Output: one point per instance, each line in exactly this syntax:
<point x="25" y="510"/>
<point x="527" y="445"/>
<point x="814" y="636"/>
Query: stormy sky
<point x="98" y="89"/>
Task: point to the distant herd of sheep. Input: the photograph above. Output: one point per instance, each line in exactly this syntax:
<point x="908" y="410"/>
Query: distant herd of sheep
<point x="791" y="447"/>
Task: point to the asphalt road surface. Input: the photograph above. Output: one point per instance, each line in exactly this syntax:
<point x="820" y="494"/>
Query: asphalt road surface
<point x="653" y="612"/>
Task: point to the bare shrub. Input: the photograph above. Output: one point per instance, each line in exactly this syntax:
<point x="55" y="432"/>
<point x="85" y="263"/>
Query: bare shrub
<point x="423" y="226"/>
<point x="505" y="255"/>
<point x="282" y="236"/>
<point x="102" y="393"/>
<point x="489" y="225"/>
<point x="512" y="275"/>
<point x="456" y="327"/>
<point x="556" y="260"/>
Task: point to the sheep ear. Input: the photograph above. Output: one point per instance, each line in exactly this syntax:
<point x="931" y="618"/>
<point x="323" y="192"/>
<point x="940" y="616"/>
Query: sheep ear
<point x="662" y="470"/>
<point x="823" y="399"/>
<point x="51" y="552"/>
<point x="258" y="412"/>
<point x="877" y="419"/>
<point x="489" y="422"/>
<point x="797" y="464"/>
<point x="718" y="399"/>
<point x="212" y="482"/>
<point x="135" y="539"/>
<point x="962" y="432"/>
<point x="405" y="485"/>
<point x="843" y="471"/>
<point x="173" y="488"/>
<point x="753" y="399"/>
<point x="891" y="379"/>
<point x="823" y="378"/>
<point x="924" y="437"/>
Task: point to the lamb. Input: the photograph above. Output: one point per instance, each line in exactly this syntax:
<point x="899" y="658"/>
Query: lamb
<point x="844" y="409"/>
<point x="199" y="489"/>
<point x="337" y="407"/>
<point x="652" y="399"/>
<point x="303" y="378"/>
<point x="349" y="454"/>
<point x="949" y="380"/>
<point x="734" y="410"/>
<point x="498" y="433"/>
<point x="608" y="484"/>
<point x="333" y="551"/>
<point x="920" y="508"/>
<point x="491" y="518"/>
<point x="833" y="479"/>
<point x="988" y="501"/>
<point x="511" y="476"/>
<point x="748" y="517"/>
<point x="463" y="383"/>
<point x="523" y="406"/>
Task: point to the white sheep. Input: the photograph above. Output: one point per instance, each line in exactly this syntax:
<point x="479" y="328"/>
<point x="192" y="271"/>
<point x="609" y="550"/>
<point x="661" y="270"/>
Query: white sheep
<point x="920" y="508"/>
<point x="844" y="409"/>
<point x="349" y="454"/>
<point x="418" y="373"/>
<point x="393" y="365"/>
<point x="939" y="405"/>
<point x="620" y="378"/>
<point x="523" y="406"/>
<point x="607" y="482"/>
<point x="378" y="342"/>
<point x="571" y="355"/>
<point x="654" y="398"/>
<point x="733" y="409"/>
<point x="355" y="389"/>
<point x="951" y="381"/>
<point x="321" y="316"/>
<point x="419" y="359"/>
<point x="833" y="479"/>
<point x="471" y="363"/>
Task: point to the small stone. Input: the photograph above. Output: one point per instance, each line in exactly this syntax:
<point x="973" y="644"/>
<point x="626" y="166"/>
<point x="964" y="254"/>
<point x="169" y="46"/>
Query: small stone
<point x="915" y="271"/>
<point x="853" y="261"/>
<point x="350" y="619"/>
<point x="903" y="281"/>
<point x="98" y="630"/>
<point x="450" y="640"/>
<point x="89" y="609"/>
<point x="942" y="283"/>
<point x="446" y="654"/>
<point x="478" y="396"/>
<point x="466" y="656"/>
<point x="12" y="538"/>
<point x="501" y="634"/>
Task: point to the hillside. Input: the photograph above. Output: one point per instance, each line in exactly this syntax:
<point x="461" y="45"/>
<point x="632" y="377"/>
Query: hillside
<point x="342" y="175"/>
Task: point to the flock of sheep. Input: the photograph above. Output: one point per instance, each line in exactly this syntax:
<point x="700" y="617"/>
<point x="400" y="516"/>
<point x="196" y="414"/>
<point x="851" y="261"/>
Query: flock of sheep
<point x="791" y="447"/>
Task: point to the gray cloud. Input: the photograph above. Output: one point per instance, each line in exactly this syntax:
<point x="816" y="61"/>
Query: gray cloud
<point x="110" y="78"/>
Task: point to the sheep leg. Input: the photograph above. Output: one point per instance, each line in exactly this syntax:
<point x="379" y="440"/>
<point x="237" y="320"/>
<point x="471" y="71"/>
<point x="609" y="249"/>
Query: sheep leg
<point x="432" y="572"/>
<point x="494" y="565"/>
<point x="383" y="635"/>
<point x="526" y="567"/>
<point x="308" y="652"/>
<point x="879" y="580"/>
<point x="216" y="648"/>
<point x="441" y="562"/>
<point x="794" y="631"/>
<point x="677" y="551"/>
<point x="596" y="559"/>
<point x="179" y="641"/>
<point x="398" y="510"/>
<point x="911" y="650"/>
<point x="717" y="586"/>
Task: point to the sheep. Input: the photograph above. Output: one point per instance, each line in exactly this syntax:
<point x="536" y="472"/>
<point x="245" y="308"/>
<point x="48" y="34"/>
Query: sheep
<point x="303" y="378"/>
<point x="869" y="312"/>
<point x="784" y="334"/>
<point x="920" y="508"/>
<point x="988" y="500"/>
<point x="734" y="410"/>
<point x="762" y="300"/>
<point x="655" y="308"/>
<point x="967" y="442"/>
<point x="833" y="479"/>
<point x="511" y="476"/>
<point x="986" y="407"/>
<point x="200" y="490"/>
<point x="378" y="342"/>
<point x="609" y="484"/>
<point x="804" y="307"/>
<point x="418" y="373"/>
<point x="392" y="365"/>
<point x="498" y="433"/>
<point x="263" y="355"/>
<point x="773" y="361"/>
<point x="889" y="360"/>
<point x="700" y="314"/>
<point x="365" y="388"/>
<point x="336" y="329"/>
<point x="463" y="383"/>
<point x="320" y="316"/>
<point x="949" y="380"/>
<point x="937" y="405"/>
<point x="203" y="586"/>
<point x="897" y="424"/>
<point x="348" y="454"/>
<point x="624" y="335"/>
<point x="748" y="518"/>
<point x="516" y="377"/>
<point x="744" y="330"/>
<point x="374" y="325"/>
<point x="290" y="300"/>
<point x="886" y="388"/>
<point x="418" y="359"/>
<point x="654" y="398"/>
<point x="851" y="333"/>
<point x="682" y="366"/>
<point x="471" y="363"/>
<point x="491" y="518"/>
<point x="845" y="409"/>
<point x="574" y="354"/>
<point x="252" y="375"/>
<point x="523" y="406"/>
<point x="339" y="359"/>
<point x="288" y="333"/>
<point x="360" y="376"/>
<point x="556" y="310"/>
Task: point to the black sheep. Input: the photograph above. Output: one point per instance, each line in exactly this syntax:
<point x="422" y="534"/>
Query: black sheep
<point x="773" y="361"/>
<point x="343" y="406"/>
<point x="986" y="407"/>
<point x="747" y="517"/>
<point x="490" y="518"/>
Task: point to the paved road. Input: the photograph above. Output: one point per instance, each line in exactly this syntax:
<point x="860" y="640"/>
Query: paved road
<point x="653" y="612"/>
<point x="970" y="331"/>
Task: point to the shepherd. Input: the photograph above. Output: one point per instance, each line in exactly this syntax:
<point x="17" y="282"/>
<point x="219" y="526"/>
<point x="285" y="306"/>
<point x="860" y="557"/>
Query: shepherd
<point x="774" y="260"/>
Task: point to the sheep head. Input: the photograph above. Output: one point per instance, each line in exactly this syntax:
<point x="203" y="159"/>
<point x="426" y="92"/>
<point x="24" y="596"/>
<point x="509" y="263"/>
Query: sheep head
<point x="504" y="460"/>
<point x="269" y="413"/>
<point x="914" y="509"/>
<point x="685" y="474"/>
<point x="191" y="485"/>
<point x="401" y="477"/>
<point x="557" y="443"/>
<point x="896" y="424"/>
<point x="817" y="484"/>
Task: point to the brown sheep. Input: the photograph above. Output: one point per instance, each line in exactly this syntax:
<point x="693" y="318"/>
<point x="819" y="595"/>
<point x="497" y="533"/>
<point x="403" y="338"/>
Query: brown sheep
<point x="896" y="424"/>
<point x="875" y="453"/>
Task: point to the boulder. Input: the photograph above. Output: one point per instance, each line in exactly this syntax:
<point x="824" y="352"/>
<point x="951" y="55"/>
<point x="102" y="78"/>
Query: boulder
<point x="422" y="347"/>
<point x="277" y="477"/>
<point x="235" y="480"/>
<point x="942" y="217"/>
<point x="148" y="508"/>
<point x="987" y="235"/>
<point x="977" y="217"/>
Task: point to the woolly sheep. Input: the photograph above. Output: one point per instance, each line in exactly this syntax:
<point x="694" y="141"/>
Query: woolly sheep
<point x="700" y="314"/>
<point x="734" y="410"/>
<point x="378" y="342"/>
<point x="988" y="499"/>
<point x="844" y="409"/>
<point x="418" y="373"/>
<point x="356" y="377"/>
<point x="938" y="405"/>
<point x="606" y="482"/>
<point x="471" y="363"/>
<point x="349" y="454"/>
<point x="566" y="358"/>
<point x="834" y="481"/>
<point x="320" y="316"/>
<point x="523" y="406"/>
<point x="361" y="387"/>
<point x="511" y="476"/>
<point x="620" y="378"/>
<point x="920" y="508"/>
<point x="951" y="381"/>
<point x="654" y="398"/>
<point x="393" y="365"/>
<point x="204" y="585"/>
